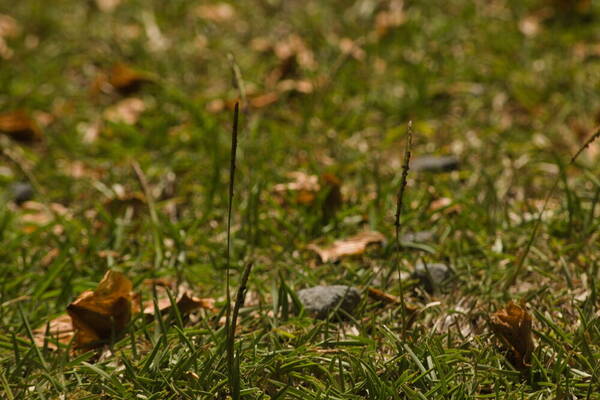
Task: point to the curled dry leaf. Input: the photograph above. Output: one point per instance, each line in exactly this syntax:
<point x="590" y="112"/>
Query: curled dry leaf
<point x="351" y="246"/>
<point x="104" y="313"/>
<point x="126" y="111"/>
<point x="19" y="126"/>
<point x="59" y="330"/>
<point x="512" y="325"/>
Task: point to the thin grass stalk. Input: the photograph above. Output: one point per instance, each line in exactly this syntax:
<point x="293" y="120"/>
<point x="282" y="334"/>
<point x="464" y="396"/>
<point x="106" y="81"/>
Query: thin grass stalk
<point x="538" y="221"/>
<point x="399" y="206"/>
<point x="229" y="336"/>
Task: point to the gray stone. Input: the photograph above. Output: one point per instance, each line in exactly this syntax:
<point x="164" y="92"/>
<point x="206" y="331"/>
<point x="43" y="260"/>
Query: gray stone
<point x="321" y="300"/>
<point x="432" y="276"/>
<point x="435" y="163"/>
<point x="417" y="237"/>
<point x="21" y="192"/>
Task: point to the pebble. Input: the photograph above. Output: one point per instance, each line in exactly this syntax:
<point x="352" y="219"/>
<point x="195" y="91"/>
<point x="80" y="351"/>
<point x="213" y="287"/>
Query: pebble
<point x="417" y="237"/>
<point x="435" y="163"/>
<point x="21" y="192"/>
<point x="321" y="300"/>
<point x="432" y="276"/>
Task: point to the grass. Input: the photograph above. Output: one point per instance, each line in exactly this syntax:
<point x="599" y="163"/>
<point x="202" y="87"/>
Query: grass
<point x="514" y="108"/>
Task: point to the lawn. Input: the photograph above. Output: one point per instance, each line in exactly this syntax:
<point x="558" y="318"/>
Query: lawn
<point x="116" y="142"/>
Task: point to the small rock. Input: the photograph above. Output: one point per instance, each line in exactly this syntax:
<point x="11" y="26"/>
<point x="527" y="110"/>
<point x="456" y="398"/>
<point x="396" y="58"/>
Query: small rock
<point x="431" y="276"/>
<point x="21" y="192"/>
<point x="417" y="237"/>
<point x="435" y="163"/>
<point x="321" y="300"/>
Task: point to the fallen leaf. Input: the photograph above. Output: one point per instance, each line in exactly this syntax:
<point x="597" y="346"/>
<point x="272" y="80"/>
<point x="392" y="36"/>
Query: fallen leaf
<point x="126" y="111"/>
<point x="294" y="47"/>
<point x="219" y="12"/>
<point x="351" y="246"/>
<point x="351" y="48"/>
<point x="391" y="18"/>
<point x="512" y="325"/>
<point x="263" y="100"/>
<point x="298" y="86"/>
<point x="19" y="126"/>
<point x="59" y="330"/>
<point x="126" y="79"/>
<point x="104" y="313"/>
<point x="107" y="5"/>
<point x="36" y="215"/>
<point x="530" y="25"/>
<point x="307" y="186"/>
<point x="9" y="28"/>
<point x="121" y="78"/>
<point x="445" y="206"/>
<point x="121" y="200"/>
<point x="49" y="257"/>
<point x="186" y="304"/>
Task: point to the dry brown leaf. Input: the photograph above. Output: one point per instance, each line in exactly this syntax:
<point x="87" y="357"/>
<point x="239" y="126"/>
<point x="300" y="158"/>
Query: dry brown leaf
<point x="300" y="181"/>
<point x="530" y="25"/>
<point x="19" y="126"/>
<point x="306" y="186"/>
<point x="122" y="200"/>
<point x="512" y="325"/>
<point x="445" y="205"/>
<point x="49" y="257"/>
<point x="186" y="304"/>
<point x="295" y="47"/>
<point x="391" y="18"/>
<point x="104" y="313"/>
<point x="351" y="48"/>
<point x="36" y="215"/>
<point x="107" y="5"/>
<point x="219" y="12"/>
<point x="126" y="111"/>
<point x="59" y="329"/>
<point x="126" y="79"/>
<point x="263" y="100"/>
<point x="351" y="246"/>
<point x="9" y="27"/>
